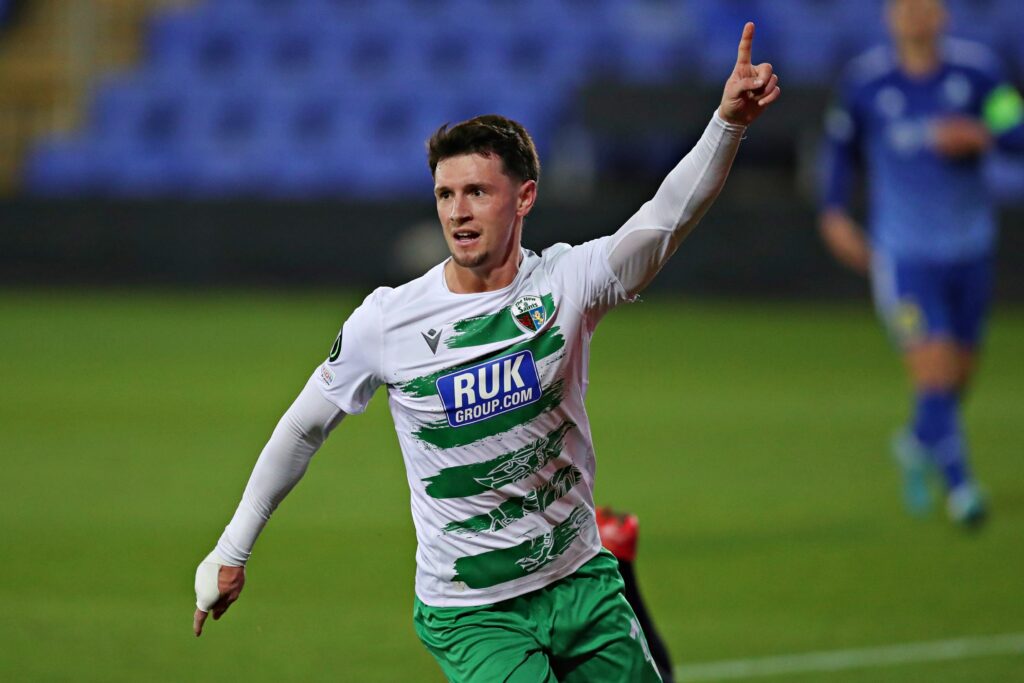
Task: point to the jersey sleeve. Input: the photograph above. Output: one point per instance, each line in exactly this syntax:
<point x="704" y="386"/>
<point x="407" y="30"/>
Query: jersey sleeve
<point x="1002" y="111"/>
<point x="607" y="271"/>
<point x="997" y="103"/>
<point x="584" y="276"/>
<point x="353" y="369"/>
<point x="841" y="148"/>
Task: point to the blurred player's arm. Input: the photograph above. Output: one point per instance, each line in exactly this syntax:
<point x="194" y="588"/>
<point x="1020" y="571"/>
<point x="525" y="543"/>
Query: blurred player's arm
<point x="1000" y="124"/>
<point x="1003" y="114"/>
<point x="298" y="435"/>
<point x="842" y="235"/>
<point x="639" y="249"/>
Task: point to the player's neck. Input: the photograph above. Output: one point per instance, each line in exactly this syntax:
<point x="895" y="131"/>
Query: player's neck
<point x="463" y="280"/>
<point x="918" y="59"/>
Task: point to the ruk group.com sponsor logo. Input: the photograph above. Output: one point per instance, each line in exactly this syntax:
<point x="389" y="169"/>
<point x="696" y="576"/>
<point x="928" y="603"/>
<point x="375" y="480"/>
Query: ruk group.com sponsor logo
<point x="490" y="388"/>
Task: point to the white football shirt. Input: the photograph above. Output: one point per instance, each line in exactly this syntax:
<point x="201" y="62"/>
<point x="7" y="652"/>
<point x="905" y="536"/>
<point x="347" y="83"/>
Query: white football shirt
<point x="487" y="394"/>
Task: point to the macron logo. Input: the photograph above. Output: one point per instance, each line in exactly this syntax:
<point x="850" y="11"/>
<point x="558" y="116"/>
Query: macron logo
<point x="489" y="389"/>
<point x="432" y="336"/>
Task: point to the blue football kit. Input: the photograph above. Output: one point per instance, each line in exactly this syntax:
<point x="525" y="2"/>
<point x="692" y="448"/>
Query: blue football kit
<point x="931" y="221"/>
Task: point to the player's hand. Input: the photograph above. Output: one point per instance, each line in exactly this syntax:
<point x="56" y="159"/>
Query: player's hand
<point x="845" y="240"/>
<point x="959" y="137"/>
<point x="217" y="586"/>
<point x="750" y="89"/>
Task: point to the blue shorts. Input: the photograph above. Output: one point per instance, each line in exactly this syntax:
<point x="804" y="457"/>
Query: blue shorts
<point x="918" y="301"/>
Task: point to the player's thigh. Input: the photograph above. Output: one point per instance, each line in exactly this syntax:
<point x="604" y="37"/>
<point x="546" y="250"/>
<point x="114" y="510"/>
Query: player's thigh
<point x="911" y="300"/>
<point x="482" y="645"/>
<point x="597" y="635"/>
<point x="970" y="293"/>
<point x="620" y="654"/>
<point x="621" y="662"/>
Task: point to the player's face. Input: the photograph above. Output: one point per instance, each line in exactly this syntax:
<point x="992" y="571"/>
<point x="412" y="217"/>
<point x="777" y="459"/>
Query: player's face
<point x="916" y="20"/>
<point x="481" y="209"/>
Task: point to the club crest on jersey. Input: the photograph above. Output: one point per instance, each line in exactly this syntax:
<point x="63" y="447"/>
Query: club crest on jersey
<point x="490" y="388"/>
<point x="529" y="313"/>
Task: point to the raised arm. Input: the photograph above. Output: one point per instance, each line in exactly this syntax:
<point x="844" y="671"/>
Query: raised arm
<point x="298" y="435"/>
<point x="639" y="249"/>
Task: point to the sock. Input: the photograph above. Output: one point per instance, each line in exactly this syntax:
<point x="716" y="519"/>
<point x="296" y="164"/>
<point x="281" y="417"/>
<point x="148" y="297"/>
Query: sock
<point x="658" y="650"/>
<point x="937" y="427"/>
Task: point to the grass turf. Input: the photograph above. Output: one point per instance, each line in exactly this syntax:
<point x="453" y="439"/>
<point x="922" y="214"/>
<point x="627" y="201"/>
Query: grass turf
<point x="751" y="440"/>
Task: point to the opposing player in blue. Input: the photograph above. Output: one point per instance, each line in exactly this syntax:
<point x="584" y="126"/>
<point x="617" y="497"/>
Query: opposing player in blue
<point x="919" y="116"/>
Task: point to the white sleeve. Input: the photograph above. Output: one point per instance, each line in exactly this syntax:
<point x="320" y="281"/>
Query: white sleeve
<point x="639" y="249"/>
<point x="353" y="370"/>
<point x="298" y="435"/>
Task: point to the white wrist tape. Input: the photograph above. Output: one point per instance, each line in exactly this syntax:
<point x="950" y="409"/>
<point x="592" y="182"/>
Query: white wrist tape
<point x="207" y="574"/>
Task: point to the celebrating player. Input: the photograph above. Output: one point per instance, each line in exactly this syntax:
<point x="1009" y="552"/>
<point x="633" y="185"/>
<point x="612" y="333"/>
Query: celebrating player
<point x="921" y="115"/>
<point x="485" y="362"/>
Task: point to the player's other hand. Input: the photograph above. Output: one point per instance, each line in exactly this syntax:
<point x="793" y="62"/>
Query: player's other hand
<point x="958" y="137"/>
<point x="750" y="89"/>
<point x="845" y="239"/>
<point x="217" y="586"/>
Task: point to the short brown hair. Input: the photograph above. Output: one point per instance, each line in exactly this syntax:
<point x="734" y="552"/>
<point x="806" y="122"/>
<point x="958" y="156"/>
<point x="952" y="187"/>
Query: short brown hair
<point x="486" y="135"/>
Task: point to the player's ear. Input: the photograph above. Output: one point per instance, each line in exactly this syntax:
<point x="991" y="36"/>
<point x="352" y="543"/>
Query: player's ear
<point x="526" y="197"/>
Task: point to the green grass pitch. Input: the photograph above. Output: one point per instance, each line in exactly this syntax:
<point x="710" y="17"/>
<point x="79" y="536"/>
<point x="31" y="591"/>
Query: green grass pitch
<point x="750" y="438"/>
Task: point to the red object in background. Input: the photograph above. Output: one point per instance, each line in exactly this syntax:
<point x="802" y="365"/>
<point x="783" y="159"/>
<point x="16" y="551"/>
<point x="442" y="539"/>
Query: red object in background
<point x="619" y="531"/>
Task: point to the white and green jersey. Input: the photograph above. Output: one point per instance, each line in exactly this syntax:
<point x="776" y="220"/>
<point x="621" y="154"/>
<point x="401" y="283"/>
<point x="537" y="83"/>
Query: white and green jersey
<point x="487" y="394"/>
<point x="487" y="391"/>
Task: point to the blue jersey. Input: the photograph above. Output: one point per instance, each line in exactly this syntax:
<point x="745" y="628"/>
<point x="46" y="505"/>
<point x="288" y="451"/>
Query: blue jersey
<point x="922" y="206"/>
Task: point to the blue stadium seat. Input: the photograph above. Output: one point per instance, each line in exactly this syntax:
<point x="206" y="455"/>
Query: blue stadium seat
<point x="63" y="168"/>
<point x="808" y="40"/>
<point x="196" y="46"/>
<point x="312" y="143"/>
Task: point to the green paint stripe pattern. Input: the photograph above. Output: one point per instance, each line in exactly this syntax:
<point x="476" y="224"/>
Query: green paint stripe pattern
<point x="442" y="435"/>
<point x="488" y="329"/>
<point x="507" y="564"/>
<point x="469" y="480"/>
<point x="542" y="346"/>
<point x="514" y="509"/>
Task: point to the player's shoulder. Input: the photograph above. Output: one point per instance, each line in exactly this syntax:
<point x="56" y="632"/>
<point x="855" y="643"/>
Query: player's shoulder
<point x="558" y="252"/>
<point x="971" y="56"/>
<point x="554" y="253"/>
<point x="870" y="67"/>
<point x="425" y="285"/>
<point x="561" y="260"/>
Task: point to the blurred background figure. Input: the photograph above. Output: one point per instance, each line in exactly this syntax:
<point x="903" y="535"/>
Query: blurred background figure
<point x="922" y="114"/>
<point x="620" y="532"/>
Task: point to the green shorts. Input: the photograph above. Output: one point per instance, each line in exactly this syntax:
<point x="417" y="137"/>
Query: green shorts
<point x="579" y="628"/>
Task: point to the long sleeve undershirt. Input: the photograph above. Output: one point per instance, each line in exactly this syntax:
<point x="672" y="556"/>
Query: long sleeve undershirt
<point x="639" y="249"/>
<point x="298" y="435"/>
<point x="636" y="252"/>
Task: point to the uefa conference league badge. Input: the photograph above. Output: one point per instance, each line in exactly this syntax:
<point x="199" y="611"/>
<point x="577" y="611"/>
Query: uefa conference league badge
<point x="528" y="312"/>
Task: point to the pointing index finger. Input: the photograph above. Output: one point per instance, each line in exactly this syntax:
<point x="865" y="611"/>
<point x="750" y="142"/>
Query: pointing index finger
<point x="743" y="53"/>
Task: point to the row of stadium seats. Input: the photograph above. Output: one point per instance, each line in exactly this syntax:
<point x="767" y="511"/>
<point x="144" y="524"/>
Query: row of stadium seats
<point x="147" y="140"/>
<point x="258" y="96"/>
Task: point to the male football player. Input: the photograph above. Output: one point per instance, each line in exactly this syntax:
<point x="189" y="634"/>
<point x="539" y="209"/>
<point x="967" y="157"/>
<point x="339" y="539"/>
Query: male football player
<point x="920" y="115"/>
<point x="485" y="362"/>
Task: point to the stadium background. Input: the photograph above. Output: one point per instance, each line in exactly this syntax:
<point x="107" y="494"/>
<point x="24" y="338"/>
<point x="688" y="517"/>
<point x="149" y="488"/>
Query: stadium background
<point x="195" y="194"/>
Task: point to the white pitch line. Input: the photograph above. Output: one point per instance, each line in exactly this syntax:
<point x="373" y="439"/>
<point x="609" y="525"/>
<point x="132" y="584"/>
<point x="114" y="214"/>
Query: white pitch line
<point x="839" y="660"/>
